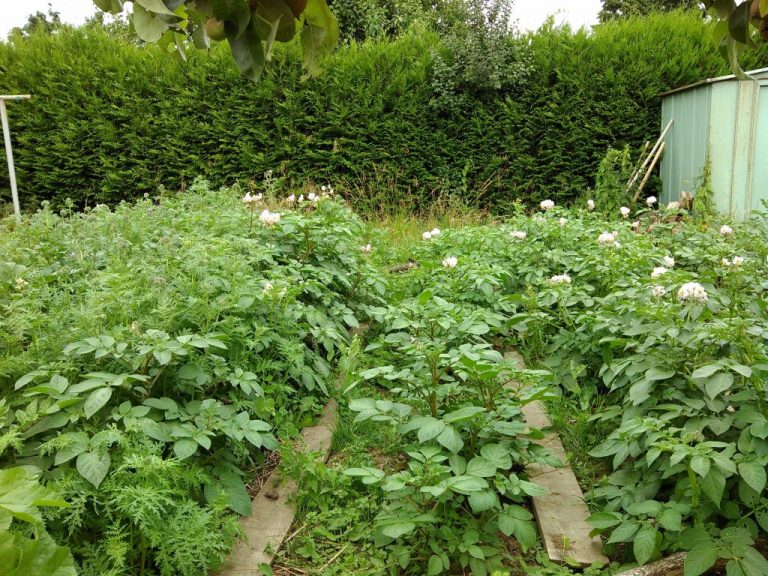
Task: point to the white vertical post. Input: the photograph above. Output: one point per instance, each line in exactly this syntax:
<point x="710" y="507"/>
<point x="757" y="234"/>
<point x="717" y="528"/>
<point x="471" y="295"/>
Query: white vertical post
<point x="9" y="152"/>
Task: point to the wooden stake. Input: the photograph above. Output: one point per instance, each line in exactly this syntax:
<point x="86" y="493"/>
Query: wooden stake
<point x="650" y="169"/>
<point x="640" y="159"/>
<point x="652" y="152"/>
<point x="9" y="151"/>
<point x="671" y="566"/>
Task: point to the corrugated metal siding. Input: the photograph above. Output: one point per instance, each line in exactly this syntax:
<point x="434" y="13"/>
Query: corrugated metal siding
<point x="760" y="167"/>
<point x="721" y="134"/>
<point x="729" y="120"/>
<point x="744" y="149"/>
<point x="687" y="140"/>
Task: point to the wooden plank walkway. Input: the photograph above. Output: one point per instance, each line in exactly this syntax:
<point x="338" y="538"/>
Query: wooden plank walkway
<point x="562" y="513"/>
<point x="273" y="512"/>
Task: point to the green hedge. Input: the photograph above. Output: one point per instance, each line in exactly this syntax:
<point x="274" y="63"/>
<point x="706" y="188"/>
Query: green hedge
<point x="111" y="119"/>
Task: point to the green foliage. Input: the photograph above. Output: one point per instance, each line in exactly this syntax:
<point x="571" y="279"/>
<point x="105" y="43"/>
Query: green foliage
<point x="152" y="355"/>
<point x="611" y="181"/>
<point x="704" y="197"/>
<point x="111" y="120"/>
<point x="28" y="550"/>
<point x="250" y="28"/>
<point x="479" y="58"/>
<point x="669" y="374"/>
<point x="613" y="9"/>
<point x="740" y="24"/>
<point x="47" y="23"/>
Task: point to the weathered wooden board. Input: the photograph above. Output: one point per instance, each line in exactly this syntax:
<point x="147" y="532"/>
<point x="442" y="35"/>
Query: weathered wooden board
<point x="562" y="513"/>
<point x="273" y="512"/>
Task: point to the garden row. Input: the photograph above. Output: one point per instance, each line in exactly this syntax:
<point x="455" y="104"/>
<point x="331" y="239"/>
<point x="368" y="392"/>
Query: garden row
<point x="653" y="328"/>
<point x="151" y="357"/>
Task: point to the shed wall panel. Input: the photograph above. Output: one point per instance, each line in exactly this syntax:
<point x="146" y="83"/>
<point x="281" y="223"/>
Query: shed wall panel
<point x="760" y="166"/>
<point x="687" y="140"/>
<point x="744" y="149"/>
<point x="721" y="137"/>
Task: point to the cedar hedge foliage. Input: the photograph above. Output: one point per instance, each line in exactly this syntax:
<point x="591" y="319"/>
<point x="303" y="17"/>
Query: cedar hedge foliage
<point x="111" y="120"/>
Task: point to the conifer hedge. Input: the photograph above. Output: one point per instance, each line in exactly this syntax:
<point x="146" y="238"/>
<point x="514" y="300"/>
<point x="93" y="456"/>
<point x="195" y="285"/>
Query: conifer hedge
<point x="112" y="120"/>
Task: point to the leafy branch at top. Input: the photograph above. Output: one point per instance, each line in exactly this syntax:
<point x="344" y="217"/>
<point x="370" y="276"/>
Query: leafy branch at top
<point x="739" y="25"/>
<point x="249" y="26"/>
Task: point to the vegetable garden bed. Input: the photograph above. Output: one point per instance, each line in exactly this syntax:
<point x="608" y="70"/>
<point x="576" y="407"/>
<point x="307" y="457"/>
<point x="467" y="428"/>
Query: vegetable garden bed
<point x="153" y="355"/>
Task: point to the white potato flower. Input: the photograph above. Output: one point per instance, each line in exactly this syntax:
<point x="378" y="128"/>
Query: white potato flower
<point x="658" y="291"/>
<point x="519" y="235"/>
<point x="547" y="205"/>
<point x="560" y="279"/>
<point x="624" y="212"/>
<point x="651" y="200"/>
<point x="450" y="261"/>
<point x="692" y="291"/>
<point x="607" y="238"/>
<point x="669" y="262"/>
<point x="726" y="230"/>
<point x="590" y="204"/>
<point x="269" y="218"/>
<point x="658" y="271"/>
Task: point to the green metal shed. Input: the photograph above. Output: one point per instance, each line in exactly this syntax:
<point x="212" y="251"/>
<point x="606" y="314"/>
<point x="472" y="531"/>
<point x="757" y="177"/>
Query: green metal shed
<point x="726" y="118"/>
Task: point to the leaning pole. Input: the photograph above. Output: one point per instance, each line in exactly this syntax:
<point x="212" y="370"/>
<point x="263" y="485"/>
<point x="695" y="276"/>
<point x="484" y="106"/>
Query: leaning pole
<point x="9" y="151"/>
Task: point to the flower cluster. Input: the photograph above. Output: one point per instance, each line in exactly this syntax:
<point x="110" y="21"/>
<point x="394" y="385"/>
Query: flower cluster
<point x="658" y="272"/>
<point x="562" y="222"/>
<point x="269" y="218"/>
<point x="325" y="193"/>
<point x="737" y="261"/>
<point x="669" y="262"/>
<point x="590" y="205"/>
<point x="431" y="234"/>
<point x="250" y="200"/>
<point x="519" y="234"/>
<point x="658" y="291"/>
<point x="607" y="238"/>
<point x="635" y="226"/>
<point x="692" y="291"/>
<point x="651" y="200"/>
<point x="365" y="249"/>
<point x="726" y="230"/>
<point x="560" y="279"/>
<point x="450" y="261"/>
<point x="624" y="212"/>
<point x="547" y="205"/>
<point x="21" y="283"/>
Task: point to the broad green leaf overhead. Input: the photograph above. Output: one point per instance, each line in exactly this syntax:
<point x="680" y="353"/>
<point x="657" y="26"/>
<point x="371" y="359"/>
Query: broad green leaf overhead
<point x="249" y="26"/>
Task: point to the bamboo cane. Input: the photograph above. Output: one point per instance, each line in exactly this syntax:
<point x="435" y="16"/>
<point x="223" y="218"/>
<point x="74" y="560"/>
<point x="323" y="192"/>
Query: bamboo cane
<point x="651" y="153"/>
<point x="640" y="159"/>
<point x="648" y="173"/>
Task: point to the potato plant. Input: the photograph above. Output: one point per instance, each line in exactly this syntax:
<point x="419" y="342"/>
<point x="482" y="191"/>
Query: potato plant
<point x="154" y="353"/>
<point x="662" y="321"/>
